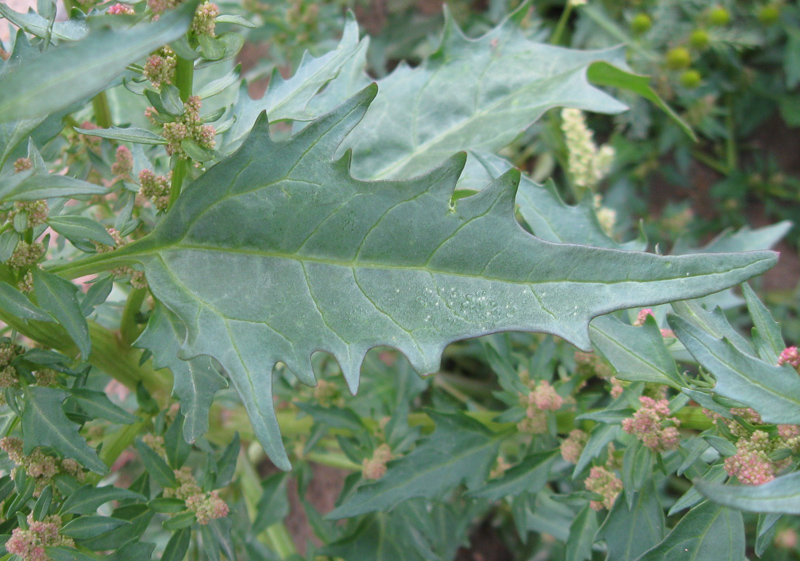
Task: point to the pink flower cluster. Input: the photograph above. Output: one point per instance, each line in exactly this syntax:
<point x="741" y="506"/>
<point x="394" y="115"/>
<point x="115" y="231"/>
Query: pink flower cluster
<point x="542" y="398"/>
<point x="123" y="163"/>
<point x="188" y="126"/>
<point x="155" y="187"/>
<point x="40" y="466"/>
<point x="160" y="67"/>
<point x="605" y="483"/>
<point x="206" y="506"/>
<point x="22" y="164"/>
<point x="642" y="316"/>
<point x="25" y="255"/>
<point x="8" y="374"/>
<point x="204" y="17"/>
<point x="790" y="355"/>
<point x="35" y="211"/>
<point x="653" y="426"/>
<point x="375" y="467"/>
<point x="30" y="544"/>
<point x="751" y="464"/>
<point x="589" y="364"/>
<point x="158" y="7"/>
<point x="121" y="9"/>
<point x="573" y="445"/>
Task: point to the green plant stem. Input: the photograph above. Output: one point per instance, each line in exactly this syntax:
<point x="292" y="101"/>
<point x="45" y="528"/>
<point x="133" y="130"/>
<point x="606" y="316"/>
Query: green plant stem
<point x="102" y="111"/>
<point x="128" y="328"/>
<point x="731" y="151"/>
<point x="184" y="77"/>
<point x="710" y="162"/>
<point x="117" y="442"/>
<point x="178" y="175"/>
<point x="276" y="536"/>
<point x="109" y="354"/>
<point x="555" y="39"/>
<point x="332" y="460"/>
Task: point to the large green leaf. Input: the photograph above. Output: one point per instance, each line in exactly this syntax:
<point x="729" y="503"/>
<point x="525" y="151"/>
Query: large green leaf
<point x="781" y="495"/>
<point x="286" y="99"/>
<point x="708" y="531"/>
<point x="375" y="264"/>
<point x="196" y="380"/>
<point x="461" y="450"/>
<point x="56" y="78"/>
<point x="474" y="94"/>
<point x="773" y="391"/>
<point x="45" y="424"/>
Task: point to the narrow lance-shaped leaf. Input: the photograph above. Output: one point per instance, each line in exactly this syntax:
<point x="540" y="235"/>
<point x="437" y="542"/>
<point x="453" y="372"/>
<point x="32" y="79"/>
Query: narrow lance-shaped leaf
<point x="59" y="77"/>
<point x="781" y="495"/>
<point x="196" y="380"/>
<point x="45" y="424"/>
<point x="708" y="531"/>
<point x="287" y="98"/>
<point x="57" y="296"/>
<point x="254" y="285"/>
<point x="773" y="391"/>
<point x="461" y="450"/>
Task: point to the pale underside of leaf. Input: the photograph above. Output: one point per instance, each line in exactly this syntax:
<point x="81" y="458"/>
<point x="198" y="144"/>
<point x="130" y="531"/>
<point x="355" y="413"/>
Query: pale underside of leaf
<point x="377" y="264"/>
<point x="781" y="495"/>
<point x="773" y="391"/>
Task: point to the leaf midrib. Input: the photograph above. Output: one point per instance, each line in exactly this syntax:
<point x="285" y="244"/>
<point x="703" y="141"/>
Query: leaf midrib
<point x="159" y="251"/>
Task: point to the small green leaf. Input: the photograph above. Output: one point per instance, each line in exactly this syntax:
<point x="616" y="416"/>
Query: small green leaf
<point x="722" y="445"/>
<point x="708" y="531"/>
<point x="177" y="448"/>
<point x="87" y="499"/>
<point x="81" y="228"/>
<point x="50" y="186"/>
<point x="628" y="532"/>
<point x="273" y="506"/>
<point x="58" y="297"/>
<point x="211" y="47"/>
<point x="156" y="467"/>
<point x="773" y="391"/>
<point x="130" y="134"/>
<point x="226" y="466"/>
<point x="599" y="438"/>
<point x="581" y="535"/>
<point x="16" y="303"/>
<point x="178" y="545"/>
<point x="529" y="475"/>
<point x="460" y="450"/>
<point x="236" y="20"/>
<point x="715" y="473"/>
<point x="167" y="505"/>
<point x="56" y="78"/>
<point x="98" y="405"/>
<point x="91" y="526"/>
<point x="35" y="24"/>
<point x="45" y="424"/>
<point x="604" y="74"/>
<point x="637" y="353"/>
<point x="637" y="469"/>
<point x="97" y="294"/>
<point x="768" y="329"/>
<point x="180" y="521"/>
<point x="42" y="506"/>
<point x="171" y="100"/>
<point x="68" y="554"/>
<point x="220" y="84"/>
<point x="781" y="495"/>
